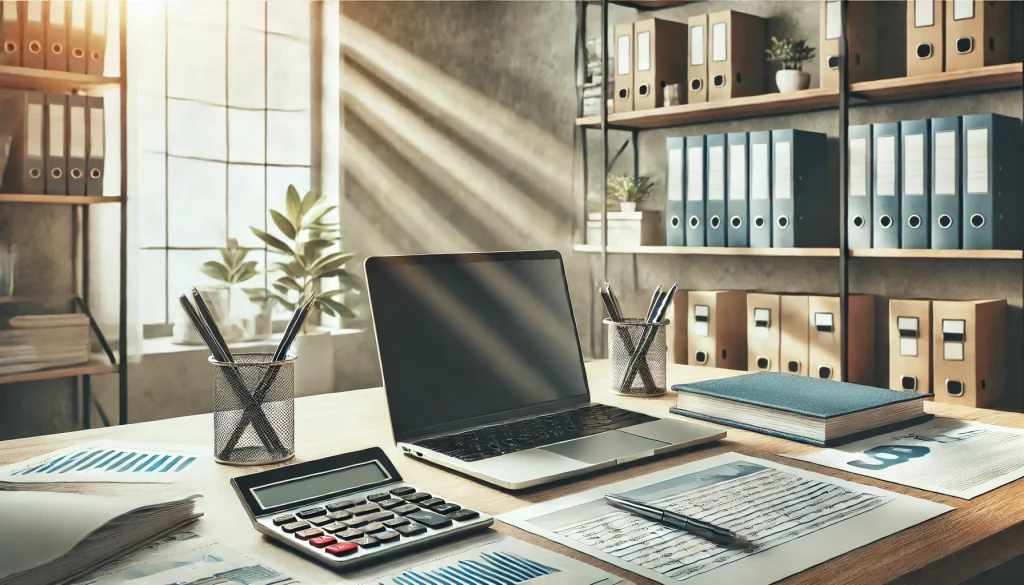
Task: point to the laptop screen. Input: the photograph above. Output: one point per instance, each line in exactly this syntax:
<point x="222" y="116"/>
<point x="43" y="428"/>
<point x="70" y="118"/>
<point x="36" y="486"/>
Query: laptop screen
<point x="464" y="339"/>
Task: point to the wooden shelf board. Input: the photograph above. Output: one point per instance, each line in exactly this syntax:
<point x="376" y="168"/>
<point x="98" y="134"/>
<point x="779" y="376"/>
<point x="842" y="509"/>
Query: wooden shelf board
<point x="939" y="254"/>
<point x="96" y="365"/>
<point x="46" y="80"/>
<point x="36" y="299"/>
<point x="696" y="251"/>
<point x="938" y="84"/>
<point x="58" y="199"/>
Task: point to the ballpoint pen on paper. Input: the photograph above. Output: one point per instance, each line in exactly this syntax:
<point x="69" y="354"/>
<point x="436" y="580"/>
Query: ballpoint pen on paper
<point x="716" y="534"/>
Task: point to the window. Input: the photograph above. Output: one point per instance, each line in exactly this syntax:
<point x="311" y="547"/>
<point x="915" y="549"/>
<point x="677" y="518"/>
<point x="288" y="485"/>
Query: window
<point x="222" y="107"/>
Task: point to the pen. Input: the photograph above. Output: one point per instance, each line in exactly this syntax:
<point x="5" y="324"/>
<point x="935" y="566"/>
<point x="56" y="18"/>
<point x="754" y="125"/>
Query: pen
<point x="716" y="534"/>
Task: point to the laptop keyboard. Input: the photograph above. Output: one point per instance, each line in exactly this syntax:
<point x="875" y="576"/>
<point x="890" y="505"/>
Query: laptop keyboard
<point x="501" y="439"/>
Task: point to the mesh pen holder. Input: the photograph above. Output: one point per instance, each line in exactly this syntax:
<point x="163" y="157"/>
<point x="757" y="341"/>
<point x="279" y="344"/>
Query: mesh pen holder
<point x="254" y="409"/>
<point x="647" y="370"/>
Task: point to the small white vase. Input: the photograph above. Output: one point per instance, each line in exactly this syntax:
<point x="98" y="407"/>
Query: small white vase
<point x="792" y="80"/>
<point x="627" y="206"/>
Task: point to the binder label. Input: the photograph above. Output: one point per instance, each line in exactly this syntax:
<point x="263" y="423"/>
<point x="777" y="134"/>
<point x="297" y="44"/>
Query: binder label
<point x="35" y="11"/>
<point x="76" y="148"/>
<point x="924" y="13"/>
<point x="57" y="12"/>
<point x="908" y="346"/>
<point x="716" y="173"/>
<point x="10" y="12"/>
<point x="913" y="165"/>
<point x="56" y="130"/>
<point x="96" y="133"/>
<point x="78" y="11"/>
<point x="675" y="173"/>
<point x="718" y="42"/>
<point x="759" y="171"/>
<point x="34" y="148"/>
<point x="737" y="172"/>
<point x="977" y="160"/>
<point x="859" y="167"/>
<point x="643" y="51"/>
<point x="695" y="179"/>
<point x="833" y="14"/>
<point x="783" y="183"/>
<point x="99" y="18"/>
<point x="697" y="45"/>
<point x="622" y="54"/>
<point x="945" y="163"/>
<point x="885" y="178"/>
<point x="963" y="9"/>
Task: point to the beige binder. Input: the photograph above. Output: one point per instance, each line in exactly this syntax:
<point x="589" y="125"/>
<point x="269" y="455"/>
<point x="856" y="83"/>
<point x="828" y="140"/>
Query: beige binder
<point x="910" y="345"/>
<point x="679" y="327"/>
<point x="763" y="332"/>
<point x="926" y="25"/>
<point x="977" y="34"/>
<point x="969" y="352"/>
<point x="736" y="60"/>
<point x="717" y="329"/>
<point x="660" y="49"/>
<point x="825" y="334"/>
<point x="794" y="332"/>
<point x="697" y="70"/>
<point x="33" y="26"/>
<point x="624" y="68"/>
<point x="861" y="37"/>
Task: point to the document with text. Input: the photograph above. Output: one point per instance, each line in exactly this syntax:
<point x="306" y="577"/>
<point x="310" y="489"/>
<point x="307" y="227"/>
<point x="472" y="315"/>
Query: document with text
<point x="959" y="458"/>
<point x="794" y="520"/>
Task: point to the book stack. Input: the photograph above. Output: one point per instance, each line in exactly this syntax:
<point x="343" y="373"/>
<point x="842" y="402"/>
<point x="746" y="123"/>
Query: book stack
<point x="36" y="342"/>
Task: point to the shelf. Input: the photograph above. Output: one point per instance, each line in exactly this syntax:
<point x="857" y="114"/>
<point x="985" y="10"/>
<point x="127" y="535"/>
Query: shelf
<point x="36" y="299"/>
<point x="97" y="365"/>
<point x="937" y="254"/>
<point x="55" y="81"/>
<point x="58" y="199"/>
<point x="697" y="251"/>
<point x="808" y="100"/>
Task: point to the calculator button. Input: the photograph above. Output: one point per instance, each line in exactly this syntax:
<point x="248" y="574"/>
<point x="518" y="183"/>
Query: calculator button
<point x="344" y="504"/>
<point x="309" y="533"/>
<point x="387" y="537"/>
<point x="377" y="497"/>
<point x="367" y="542"/>
<point x="447" y="508"/>
<point x="310" y="513"/>
<point x="377" y="516"/>
<point x="357" y="521"/>
<point x="417" y="497"/>
<point x="322" y="541"/>
<point x="411" y="530"/>
<point x="406" y="509"/>
<point x="401" y="491"/>
<point x="335" y="528"/>
<point x="295" y="526"/>
<point x="392" y="503"/>
<point x="395" y="522"/>
<point x="285" y="519"/>
<point x="339" y="515"/>
<point x="463" y="515"/>
<point x="364" y="509"/>
<point x="321" y="520"/>
<point x="430" y="519"/>
<point x="431" y="502"/>
<point x="350" y="534"/>
<point x="373" y="527"/>
<point x="342" y="548"/>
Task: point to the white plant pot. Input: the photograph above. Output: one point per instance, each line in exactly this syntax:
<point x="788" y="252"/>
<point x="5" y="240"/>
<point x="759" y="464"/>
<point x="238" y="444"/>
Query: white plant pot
<point x="314" y="366"/>
<point x="791" y="80"/>
<point x="627" y="207"/>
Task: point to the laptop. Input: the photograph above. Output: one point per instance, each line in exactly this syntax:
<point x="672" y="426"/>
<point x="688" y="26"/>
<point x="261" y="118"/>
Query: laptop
<point x="483" y="371"/>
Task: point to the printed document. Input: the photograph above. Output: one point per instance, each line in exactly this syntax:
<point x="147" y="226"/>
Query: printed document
<point x="794" y="520"/>
<point x="111" y="462"/>
<point x="959" y="458"/>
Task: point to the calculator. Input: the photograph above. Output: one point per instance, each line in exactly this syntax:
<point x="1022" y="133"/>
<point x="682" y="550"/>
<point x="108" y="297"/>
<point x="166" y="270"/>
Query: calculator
<point x="351" y="510"/>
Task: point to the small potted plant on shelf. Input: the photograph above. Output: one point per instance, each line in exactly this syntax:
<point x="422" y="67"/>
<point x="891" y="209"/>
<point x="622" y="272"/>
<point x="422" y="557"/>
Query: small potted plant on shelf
<point x="790" y="54"/>
<point x="629" y="191"/>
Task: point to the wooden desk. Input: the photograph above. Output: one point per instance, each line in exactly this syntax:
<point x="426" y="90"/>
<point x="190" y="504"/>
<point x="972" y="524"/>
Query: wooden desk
<point x="978" y="535"/>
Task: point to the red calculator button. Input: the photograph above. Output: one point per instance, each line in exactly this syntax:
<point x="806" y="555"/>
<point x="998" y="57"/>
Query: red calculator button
<point x="342" y="548"/>
<point x="322" y="541"/>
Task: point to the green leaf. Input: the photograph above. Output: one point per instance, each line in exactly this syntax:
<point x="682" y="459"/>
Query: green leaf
<point x="338" y="307"/>
<point x="256" y="294"/>
<point x="216" y="271"/>
<point x="317" y="214"/>
<point x="309" y="254"/>
<point x="334" y="260"/>
<point x="280" y="288"/>
<point x="246" y="267"/>
<point x="292" y="204"/>
<point x="283" y="302"/>
<point x="317" y="244"/>
<point x="308" y="201"/>
<point x="290" y="283"/>
<point x="344" y="277"/>
<point x="294" y="270"/>
<point x="272" y="241"/>
<point x="282" y="223"/>
<point x="326" y="309"/>
<point x="332" y="293"/>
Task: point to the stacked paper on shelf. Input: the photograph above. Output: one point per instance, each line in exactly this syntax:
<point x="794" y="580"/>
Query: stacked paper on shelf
<point x="36" y="342"/>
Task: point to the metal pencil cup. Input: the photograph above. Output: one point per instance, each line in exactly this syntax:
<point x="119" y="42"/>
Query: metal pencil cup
<point x="648" y="377"/>
<point x="254" y="409"/>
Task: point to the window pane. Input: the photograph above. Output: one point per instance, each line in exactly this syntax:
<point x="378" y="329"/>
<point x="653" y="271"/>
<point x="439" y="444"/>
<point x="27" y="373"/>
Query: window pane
<point x="247" y="14"/>
<point x="198" y="11"/>
<point x="196" y="130"/>
<point x="246" y="204"/>
<point x="152" y="288"/>
<point x="246" y="133"/>
<point x="288" y="139"/>
<point x="278" y="179"/>
<point x="150" y="122"/>
<point x="288" y="72"/>
<point x="245" y="68"/>
<point x="196" y="191"/>
<point x="290" y="18"/>
<point x="196" y="61"/>
<point x="146" y="38"/>
<point x="152" y="199"/>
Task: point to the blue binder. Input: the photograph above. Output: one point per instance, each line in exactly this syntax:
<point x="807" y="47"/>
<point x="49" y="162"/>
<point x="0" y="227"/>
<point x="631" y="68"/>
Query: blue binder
<point x="760" y="189"/>
<point x="915" y="144"/>
<point x="716" y="189"/>
<point x="945" y="184"/>
<point x="885" y="189"/>
<point x="695" y="191"/>
<point x="991" y="194"/>
<point x="858" y="188"/>
<point x="736" y="206"/>
<point x="675" y="212"/>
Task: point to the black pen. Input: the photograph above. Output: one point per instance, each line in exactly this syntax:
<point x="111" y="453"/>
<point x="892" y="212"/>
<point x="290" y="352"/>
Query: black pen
<point x="707" y="530"/>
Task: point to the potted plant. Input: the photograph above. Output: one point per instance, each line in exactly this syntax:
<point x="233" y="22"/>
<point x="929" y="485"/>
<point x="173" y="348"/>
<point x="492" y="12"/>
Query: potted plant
<point x="629" y="191"/>
<point x="790" y="54"/>
<point x="234" y="270"/>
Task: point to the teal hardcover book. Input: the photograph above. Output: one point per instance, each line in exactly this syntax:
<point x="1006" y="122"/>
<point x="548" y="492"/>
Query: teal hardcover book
<point x="808" y="410"/>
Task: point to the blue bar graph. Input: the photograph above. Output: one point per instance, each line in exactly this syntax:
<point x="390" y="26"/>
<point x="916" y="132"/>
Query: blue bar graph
<point x="101" y="460"/>
<point x="170" y="464"/>
<point x="492" y="569"/>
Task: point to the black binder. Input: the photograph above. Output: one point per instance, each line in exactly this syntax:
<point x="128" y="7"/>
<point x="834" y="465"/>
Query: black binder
<point x="736" y="207"/>
<point x="760" y="189"/>
<point x="885" y="205"/>
<point x="915" y="146"/>
<point x="78" y="106"/>
<point x="991" y="157"/>
<point x="858" y="188"/>
<point x="945" y="184"/>
<point x="25" y="172"/>
<point x="94" y="147"/>
<point x="695" y="191"/>
<point x="716" y="190"/>
<point x="56" y="144"/>
<point x="675" y="212"/>
<point x="804" y="211"/>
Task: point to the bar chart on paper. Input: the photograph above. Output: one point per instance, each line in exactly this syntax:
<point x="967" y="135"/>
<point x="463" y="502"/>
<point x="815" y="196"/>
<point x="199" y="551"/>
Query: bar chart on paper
<point x="500" y="568"/>
<point x="106" y="462"/>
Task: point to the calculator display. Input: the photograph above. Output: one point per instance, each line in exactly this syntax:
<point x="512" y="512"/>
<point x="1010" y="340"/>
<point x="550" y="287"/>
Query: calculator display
<point x="319" y="484"/>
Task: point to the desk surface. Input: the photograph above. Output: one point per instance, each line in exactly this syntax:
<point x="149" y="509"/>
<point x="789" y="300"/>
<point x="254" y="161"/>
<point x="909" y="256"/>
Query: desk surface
<point x="978" y="535"/>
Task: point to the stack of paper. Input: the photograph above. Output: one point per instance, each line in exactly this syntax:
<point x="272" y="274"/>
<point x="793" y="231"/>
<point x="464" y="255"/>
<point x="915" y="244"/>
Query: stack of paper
<point x="51" y="537"/>
<point x="36" y="342"/>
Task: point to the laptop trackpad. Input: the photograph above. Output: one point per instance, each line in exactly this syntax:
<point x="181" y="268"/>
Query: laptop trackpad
<point x="609" y="446"/>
